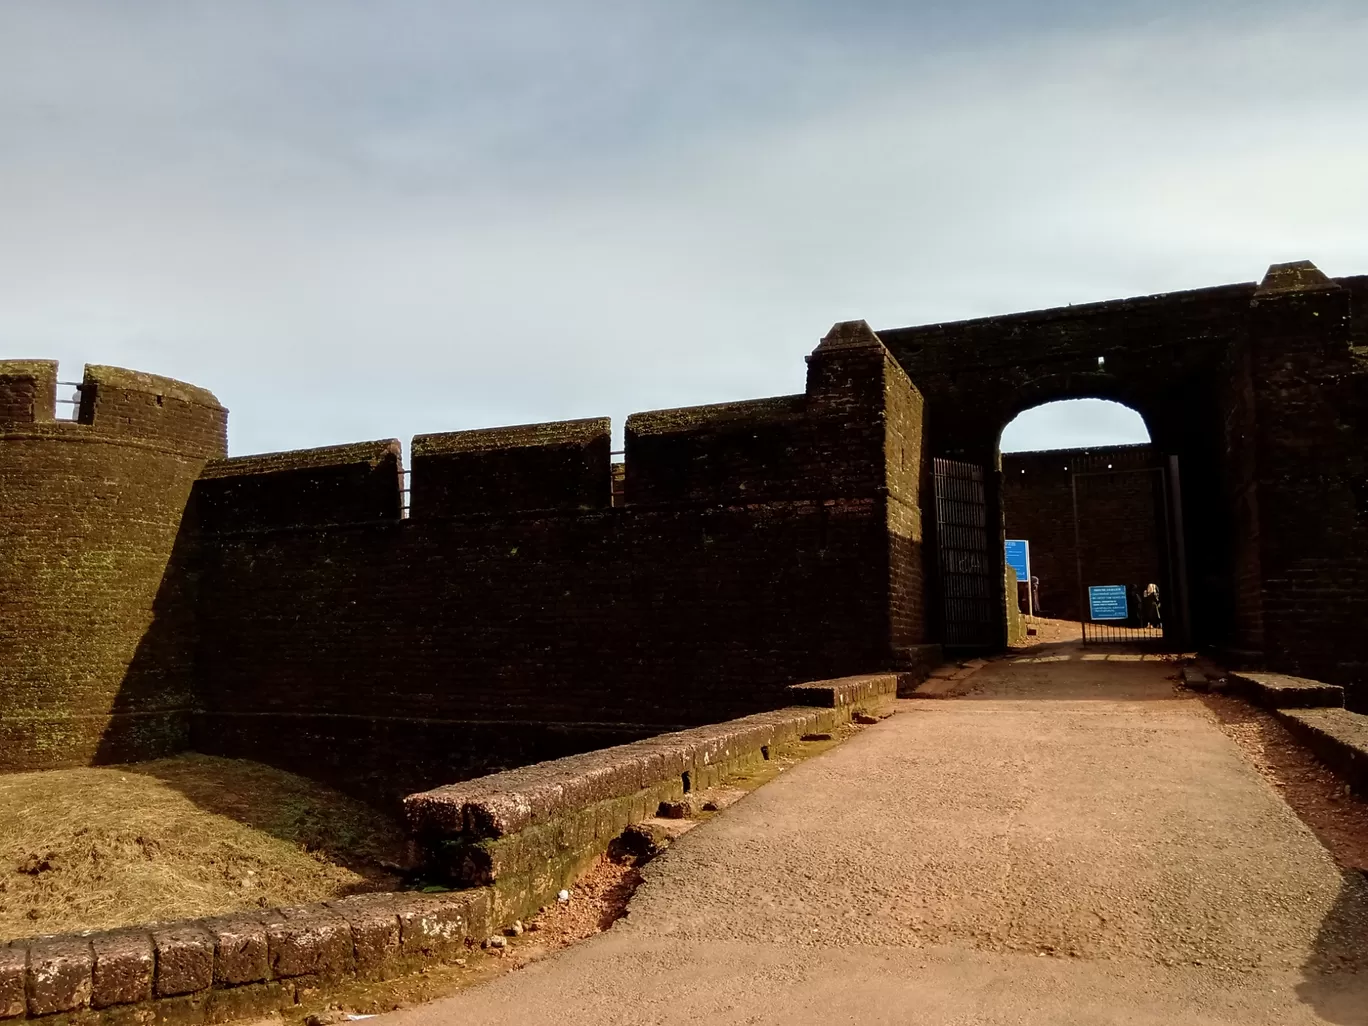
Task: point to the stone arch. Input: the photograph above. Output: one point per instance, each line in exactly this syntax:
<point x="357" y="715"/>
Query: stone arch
<point x="1167" y="357"/>
<point x="1017" y="417"/>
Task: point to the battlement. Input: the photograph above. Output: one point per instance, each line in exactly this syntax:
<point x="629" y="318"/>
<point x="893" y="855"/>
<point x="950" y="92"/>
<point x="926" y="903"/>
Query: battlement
<point x="557" y="465"/>
<point x="115" y="403"/>
<point x="332" y="484"/>
<point x="743" y="451"/>
<point x="829" y="441"/>
<point x="28" y="391"/>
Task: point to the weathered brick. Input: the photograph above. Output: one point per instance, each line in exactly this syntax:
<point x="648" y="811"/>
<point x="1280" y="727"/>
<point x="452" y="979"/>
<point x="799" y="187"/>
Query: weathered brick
<point x="308" y="940"/>
<point x="434" y="926"/>
<point x="59" y="974"/>
<point x="125" y="964"/>
<point x="240" y="949"/>
<point x="13" y="969"/>
<point x="374" y="922"/>
<point x="185" y="959"/>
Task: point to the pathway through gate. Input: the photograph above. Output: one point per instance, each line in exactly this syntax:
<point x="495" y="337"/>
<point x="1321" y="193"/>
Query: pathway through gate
<point x="1072" y="842"/>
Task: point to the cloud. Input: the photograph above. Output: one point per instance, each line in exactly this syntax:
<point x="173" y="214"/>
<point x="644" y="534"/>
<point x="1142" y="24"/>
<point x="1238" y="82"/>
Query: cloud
<point x="354" y="220"/>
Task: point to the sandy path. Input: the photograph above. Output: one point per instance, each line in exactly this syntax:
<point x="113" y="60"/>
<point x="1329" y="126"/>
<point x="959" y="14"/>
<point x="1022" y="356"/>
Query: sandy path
<point x="1070" y="842"/>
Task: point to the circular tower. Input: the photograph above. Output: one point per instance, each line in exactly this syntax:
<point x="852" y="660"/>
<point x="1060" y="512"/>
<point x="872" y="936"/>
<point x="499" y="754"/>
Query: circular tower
<point x="96" y="604"/>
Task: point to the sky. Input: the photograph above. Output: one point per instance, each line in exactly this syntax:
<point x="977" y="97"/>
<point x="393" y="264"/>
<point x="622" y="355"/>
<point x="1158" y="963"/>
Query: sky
<point x="355" y="220"/>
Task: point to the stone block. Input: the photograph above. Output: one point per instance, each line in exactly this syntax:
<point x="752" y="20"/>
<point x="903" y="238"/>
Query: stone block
<point x="307" y="940"/>
<point x="125" y="964"/>
<point x="433" y="926"/>
<point x="13" y="968"/>
<point x="240" y="950"/>
<point x="249" y="1001"/>
<point x="1337" y="737"/>
<point x="185" y="959"/>
<point x="374" y="922"/>
<point x="60" y="971"/>
<point x="1281" y="691"/>
<point x="479" y="911"/>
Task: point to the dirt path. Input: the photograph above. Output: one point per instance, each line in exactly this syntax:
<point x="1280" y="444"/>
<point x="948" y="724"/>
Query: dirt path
<point x="1072" y="841"/>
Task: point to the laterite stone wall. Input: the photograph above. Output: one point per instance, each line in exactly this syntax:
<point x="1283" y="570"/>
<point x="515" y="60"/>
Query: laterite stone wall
<point x="96" y="594"/>
<point x="517" y="615"/>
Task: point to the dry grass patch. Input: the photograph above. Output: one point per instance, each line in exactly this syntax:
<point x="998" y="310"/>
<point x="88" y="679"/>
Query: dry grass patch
<point x="191" y="836"/>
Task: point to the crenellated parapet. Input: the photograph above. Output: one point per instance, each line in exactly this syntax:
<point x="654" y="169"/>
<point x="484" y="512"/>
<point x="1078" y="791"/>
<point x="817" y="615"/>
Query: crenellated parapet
<point x="96" y="616"/>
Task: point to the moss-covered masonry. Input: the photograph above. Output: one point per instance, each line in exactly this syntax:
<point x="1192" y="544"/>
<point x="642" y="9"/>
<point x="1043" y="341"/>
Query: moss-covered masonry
<point x="95" y="612"/>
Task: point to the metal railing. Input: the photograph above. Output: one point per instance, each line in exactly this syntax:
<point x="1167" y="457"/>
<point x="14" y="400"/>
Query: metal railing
<point x="69" y="409"/>
<point x="617" y="477"/>
<point x="405" y="493"/>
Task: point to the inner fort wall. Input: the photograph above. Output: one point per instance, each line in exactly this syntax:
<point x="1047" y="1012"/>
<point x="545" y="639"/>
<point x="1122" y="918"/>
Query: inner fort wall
<point x="1120" y="520"/>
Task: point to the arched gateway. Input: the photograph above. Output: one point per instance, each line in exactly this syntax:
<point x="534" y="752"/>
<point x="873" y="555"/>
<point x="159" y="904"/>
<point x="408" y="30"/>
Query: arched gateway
<point x="1260" y="391"/>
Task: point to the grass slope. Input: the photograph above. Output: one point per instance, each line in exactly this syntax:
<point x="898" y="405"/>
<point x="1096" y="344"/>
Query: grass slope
<point x="195" y="835"/>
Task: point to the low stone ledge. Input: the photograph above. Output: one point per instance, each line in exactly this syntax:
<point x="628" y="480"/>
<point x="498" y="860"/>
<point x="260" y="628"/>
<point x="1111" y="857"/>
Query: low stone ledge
<point x="1280" y="691"/>
<point x="873" y="693"/>
<point x="1336" y="737"/>
<point x="502" y="804"/>
<point x="235" y="966"/>
<point x="527" y="833"/>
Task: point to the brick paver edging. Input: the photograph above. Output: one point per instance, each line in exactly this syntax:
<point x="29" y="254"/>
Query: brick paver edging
<point x="229" y="967"/>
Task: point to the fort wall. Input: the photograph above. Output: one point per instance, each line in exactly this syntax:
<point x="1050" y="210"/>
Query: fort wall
<point x="516" y="615"/>
<point x="1309" y="381"/>
<point x="96" y="594"/>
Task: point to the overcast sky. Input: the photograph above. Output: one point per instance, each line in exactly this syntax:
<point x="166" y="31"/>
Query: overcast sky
<point x="358" y="220"/>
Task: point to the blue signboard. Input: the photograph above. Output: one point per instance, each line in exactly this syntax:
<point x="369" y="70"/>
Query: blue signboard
<point x="1019" y="558"/>
<point x="1107" y="601"/>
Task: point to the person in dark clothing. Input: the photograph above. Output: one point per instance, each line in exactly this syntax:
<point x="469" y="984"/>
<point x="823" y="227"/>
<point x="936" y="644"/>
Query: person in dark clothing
<point x="1149" y="606"/>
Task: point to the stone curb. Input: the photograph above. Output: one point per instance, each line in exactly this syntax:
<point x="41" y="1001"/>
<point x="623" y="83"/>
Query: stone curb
<point x="1337" y="737"/>
<point x="1280" y="691"/>
<point x="225" y="967"/>
<point x="503" y="804"/>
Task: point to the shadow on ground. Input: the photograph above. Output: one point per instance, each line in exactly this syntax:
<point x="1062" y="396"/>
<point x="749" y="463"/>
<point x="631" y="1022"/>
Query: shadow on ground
<point x="1335" y="980"/>
<point x="310" y="815"/>
<point x="1336" y="974"/>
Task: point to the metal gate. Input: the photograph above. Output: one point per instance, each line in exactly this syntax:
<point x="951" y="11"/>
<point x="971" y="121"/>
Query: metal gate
<point x="1150" y="610"/>
<point x="971" y="610"/>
